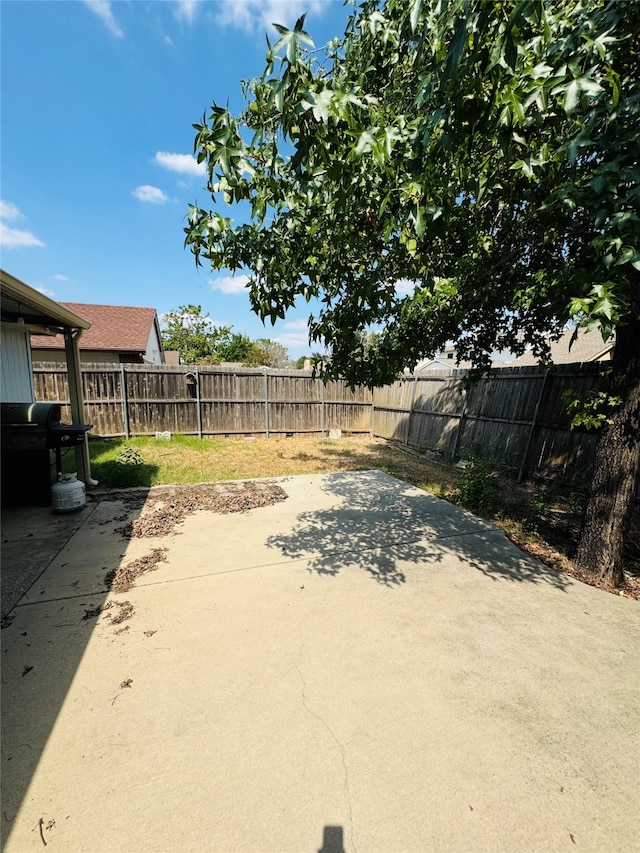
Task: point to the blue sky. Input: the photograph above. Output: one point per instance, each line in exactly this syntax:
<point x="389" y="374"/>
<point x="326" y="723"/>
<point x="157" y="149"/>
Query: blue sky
<point x="98" y="99"/>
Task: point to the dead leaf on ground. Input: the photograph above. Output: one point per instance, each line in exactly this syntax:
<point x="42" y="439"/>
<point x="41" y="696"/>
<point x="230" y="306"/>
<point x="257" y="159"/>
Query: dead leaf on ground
<point x="125" y="612"/>
<point x="166" y="506"/>
<point x="124" y="577"/>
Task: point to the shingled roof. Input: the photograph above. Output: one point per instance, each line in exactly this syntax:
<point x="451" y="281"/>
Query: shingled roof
<point x="118" y="328"/>
<point x="588" y="346"/>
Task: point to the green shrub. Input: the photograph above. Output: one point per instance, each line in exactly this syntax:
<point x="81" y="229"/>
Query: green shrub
<point x="478" y="488"/>
<point x="130" y="456"/>
<point x="538" y="511"/>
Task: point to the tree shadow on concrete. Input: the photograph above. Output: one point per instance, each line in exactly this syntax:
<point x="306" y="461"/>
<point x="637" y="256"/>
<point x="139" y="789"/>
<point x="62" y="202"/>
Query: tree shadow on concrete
<point x="380" y="524"/>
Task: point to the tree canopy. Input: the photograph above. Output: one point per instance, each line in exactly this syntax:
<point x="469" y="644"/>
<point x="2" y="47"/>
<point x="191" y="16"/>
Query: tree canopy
<point x="268" y="353"/>
<point x="486" y="152"/>
<point x="191" y="333"/>
<point x="199" y="341"/>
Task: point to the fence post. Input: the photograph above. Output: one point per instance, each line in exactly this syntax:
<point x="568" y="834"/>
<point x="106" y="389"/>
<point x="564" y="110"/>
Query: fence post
<point x="372" y="430"/>
<point x="198" y="407"/>
<point x="266" y="403"/>
<point x="460" y="422"/>
<point x="125" y="403"/>
<point x="413" y="402"/>
<point x="322" y="410"/>
<point x="534" y="423"/>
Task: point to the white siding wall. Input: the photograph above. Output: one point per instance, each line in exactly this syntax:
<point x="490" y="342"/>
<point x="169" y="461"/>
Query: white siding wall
<point x="15" y="356"/>
<point x="153" y="354"/>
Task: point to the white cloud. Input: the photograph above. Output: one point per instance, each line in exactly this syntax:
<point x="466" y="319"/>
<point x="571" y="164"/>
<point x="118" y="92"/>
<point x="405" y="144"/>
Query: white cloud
<point x="294" y="334"/>
<point x="15" y="238"/>
<point x="102" y="8"/>
<point x="405" y="287"/>
<point x="297" y="324"/>
<point x="252" y="15"/>
<point x="45" y="291"/>
<point x="59" y="277"/>
<point x="183" y="163"/>
<point x="229" y="283"/>
<point x="10" y="211"/>
<point x="150" y="194"/>
<point x="185" y="10"/>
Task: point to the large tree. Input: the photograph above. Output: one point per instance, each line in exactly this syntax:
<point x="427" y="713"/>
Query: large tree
<point x="488" y="152"/>
<point x="271" y="353"/>
<point x="199" y="340"/>
<point x="191" y="333"/>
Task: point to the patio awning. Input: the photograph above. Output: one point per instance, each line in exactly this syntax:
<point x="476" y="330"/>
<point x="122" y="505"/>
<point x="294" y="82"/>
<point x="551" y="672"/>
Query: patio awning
<point x="18" y="300"/>
<point x="21" y="304"/>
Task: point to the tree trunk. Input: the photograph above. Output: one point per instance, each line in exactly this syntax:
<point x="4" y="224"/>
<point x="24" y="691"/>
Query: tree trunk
<point x="616" y="473"/>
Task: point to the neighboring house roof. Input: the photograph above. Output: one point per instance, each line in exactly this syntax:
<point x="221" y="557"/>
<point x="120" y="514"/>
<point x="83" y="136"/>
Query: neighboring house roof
<point x="588" y="346"/>
<point x="117" y="328"/>
<point x="450" y="364"/>
<point x="441" y="364"/>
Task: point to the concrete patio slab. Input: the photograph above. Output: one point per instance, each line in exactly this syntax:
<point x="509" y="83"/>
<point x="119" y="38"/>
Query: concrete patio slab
<point x="31" y="538"/>
<point x="362" y="667"/>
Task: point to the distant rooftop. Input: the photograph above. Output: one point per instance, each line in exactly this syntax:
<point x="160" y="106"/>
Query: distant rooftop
<point x="588" y="346"/>
<point x="120" y="328"/>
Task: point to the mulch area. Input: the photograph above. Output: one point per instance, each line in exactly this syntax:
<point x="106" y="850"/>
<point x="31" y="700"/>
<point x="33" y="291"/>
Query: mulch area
<point x="553" y="547"/>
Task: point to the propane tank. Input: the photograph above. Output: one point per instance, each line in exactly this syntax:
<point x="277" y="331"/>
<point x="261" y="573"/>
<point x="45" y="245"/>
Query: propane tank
<point x="68" y="494"/>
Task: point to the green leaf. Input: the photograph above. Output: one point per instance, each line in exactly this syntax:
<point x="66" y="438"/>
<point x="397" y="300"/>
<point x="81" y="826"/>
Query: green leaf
<point x="510" y="51"/>
<point x="572" y="96"/>
<point x="455" y="50"/>
<point x="628" y="255"/>
<point x="416" y="8"/>
<point x="491" y="146"/>
<point x="320" y="103"/>
<point x="290" y="41"/>
<point x="366" y="143"/>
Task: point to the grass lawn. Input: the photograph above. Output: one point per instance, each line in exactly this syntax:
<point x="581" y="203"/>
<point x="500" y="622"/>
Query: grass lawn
<point x="542" y="519"/>
<point x="146" y="461"/>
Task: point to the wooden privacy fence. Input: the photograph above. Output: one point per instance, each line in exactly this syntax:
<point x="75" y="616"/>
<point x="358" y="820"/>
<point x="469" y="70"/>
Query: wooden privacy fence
<point x="125" y="400"/>
<point x="515" y="415"/>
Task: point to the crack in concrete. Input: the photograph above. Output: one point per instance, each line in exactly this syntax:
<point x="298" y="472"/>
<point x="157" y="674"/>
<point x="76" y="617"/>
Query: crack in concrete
<point x="342" y="754"/>
<point x="210" y="574"/>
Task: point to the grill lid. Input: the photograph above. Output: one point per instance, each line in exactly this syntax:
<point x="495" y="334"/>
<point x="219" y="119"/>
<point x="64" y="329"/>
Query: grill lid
<point x="43" y="415"/>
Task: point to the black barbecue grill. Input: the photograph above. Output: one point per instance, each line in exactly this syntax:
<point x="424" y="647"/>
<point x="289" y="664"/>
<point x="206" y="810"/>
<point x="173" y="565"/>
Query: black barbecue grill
<point x="29" y="432"/>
